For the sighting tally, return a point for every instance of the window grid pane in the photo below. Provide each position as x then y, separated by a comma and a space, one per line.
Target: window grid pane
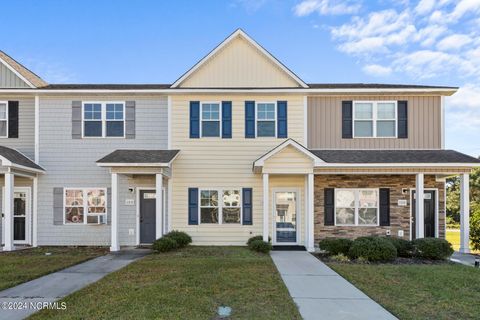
356, 207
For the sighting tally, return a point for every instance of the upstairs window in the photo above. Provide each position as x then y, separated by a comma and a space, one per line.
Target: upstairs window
266, 119
102, 119
210, 119
375, 119
3, 119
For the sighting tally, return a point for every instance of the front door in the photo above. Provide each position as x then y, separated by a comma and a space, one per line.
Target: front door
285, 220
429, 214
20, 207
147, 216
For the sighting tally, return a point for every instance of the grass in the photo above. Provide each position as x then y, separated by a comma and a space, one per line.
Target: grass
20, 266
189, 284
453, 236
439, 291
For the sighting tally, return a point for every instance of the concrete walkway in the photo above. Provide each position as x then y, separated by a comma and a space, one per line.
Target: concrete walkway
57, 285
464, 258
320, 293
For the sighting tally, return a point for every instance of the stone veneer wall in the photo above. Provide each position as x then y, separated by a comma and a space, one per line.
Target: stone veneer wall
399, 215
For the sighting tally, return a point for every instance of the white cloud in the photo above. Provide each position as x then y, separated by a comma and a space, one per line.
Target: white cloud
377, 70
425, 6
463, 7
326, 7
375, 33
453, 42
468, 96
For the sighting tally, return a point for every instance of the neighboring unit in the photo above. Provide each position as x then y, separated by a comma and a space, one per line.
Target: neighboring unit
238, 146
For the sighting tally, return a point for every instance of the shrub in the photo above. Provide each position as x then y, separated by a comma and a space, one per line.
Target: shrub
340, 258
336, 246
404, 247
372, 249
260, 246
475, 226
257, 238
432, 248
180, 237
164, 244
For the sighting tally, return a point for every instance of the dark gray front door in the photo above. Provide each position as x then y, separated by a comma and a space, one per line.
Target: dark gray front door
147, 216
428, 212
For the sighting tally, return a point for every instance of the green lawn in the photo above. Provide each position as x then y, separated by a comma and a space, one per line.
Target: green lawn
453, 236
20, 266
442, 291
189, 284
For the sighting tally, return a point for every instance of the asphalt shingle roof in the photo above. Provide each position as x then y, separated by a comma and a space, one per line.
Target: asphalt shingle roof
139, 156
394, 156
18, 158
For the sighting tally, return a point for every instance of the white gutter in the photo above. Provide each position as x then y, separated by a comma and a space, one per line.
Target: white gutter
445, 91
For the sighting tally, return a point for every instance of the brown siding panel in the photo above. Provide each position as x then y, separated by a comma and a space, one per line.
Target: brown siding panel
325, 119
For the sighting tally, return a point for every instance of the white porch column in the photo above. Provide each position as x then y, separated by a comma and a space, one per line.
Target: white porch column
419, 206
465, 213
35, 213
115, 245
265, 206
310, 214
158, 205
9, 189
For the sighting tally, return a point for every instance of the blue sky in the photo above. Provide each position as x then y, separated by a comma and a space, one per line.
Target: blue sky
389, 41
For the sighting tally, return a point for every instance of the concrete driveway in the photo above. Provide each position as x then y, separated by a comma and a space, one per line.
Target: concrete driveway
320, 293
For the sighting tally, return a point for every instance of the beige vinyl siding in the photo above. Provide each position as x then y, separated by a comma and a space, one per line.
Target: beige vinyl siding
288, 160
239, 64
222, 163
325, 124
9, 79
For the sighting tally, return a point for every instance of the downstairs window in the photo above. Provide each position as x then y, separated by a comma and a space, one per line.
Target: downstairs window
356, 207
85, 206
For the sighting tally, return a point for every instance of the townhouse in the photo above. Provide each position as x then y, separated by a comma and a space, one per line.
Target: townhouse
238, 146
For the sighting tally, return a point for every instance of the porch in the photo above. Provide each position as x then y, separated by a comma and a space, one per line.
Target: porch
142, 179
19, 199
351, 193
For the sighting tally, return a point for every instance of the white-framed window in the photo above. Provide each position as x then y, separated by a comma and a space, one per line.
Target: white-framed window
375, 119
357, 207
3, 119
210, 119
85, 205
220, 206
266, 118
103, 119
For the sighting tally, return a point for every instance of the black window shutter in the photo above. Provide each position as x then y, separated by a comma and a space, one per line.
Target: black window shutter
384, 207
247, 206
402, 114
347, 119
192, 206
329, 205
13, 119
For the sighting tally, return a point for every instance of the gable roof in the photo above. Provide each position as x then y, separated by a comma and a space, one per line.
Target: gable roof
27, 76
228, 40
289, 142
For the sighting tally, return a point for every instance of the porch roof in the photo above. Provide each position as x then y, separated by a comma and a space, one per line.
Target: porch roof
139, 158
15, 159
435, 157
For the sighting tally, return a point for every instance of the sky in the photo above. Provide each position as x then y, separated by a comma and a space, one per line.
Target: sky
433, 42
